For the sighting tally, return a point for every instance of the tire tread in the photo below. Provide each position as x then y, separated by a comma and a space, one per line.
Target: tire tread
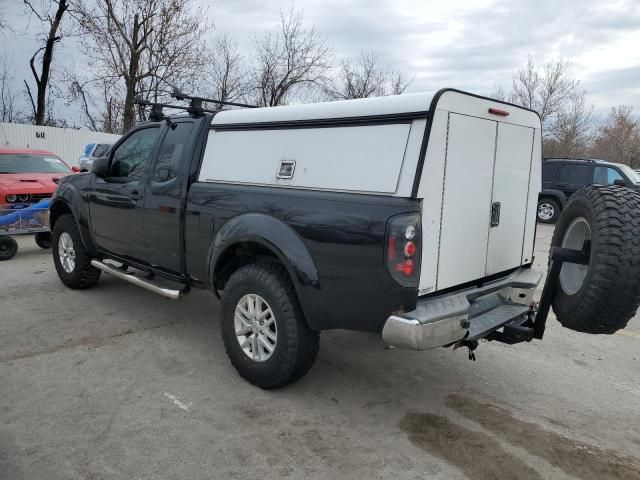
89, 275
612, 295
303, 343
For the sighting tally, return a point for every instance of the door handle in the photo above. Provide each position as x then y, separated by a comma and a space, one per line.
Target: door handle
495, 214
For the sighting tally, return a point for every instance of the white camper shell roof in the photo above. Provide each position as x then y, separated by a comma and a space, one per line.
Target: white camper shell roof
417, 103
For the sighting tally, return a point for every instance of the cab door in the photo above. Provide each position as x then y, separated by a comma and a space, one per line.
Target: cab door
116, 200
164, 195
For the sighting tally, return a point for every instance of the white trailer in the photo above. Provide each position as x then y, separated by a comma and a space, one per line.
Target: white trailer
67, 143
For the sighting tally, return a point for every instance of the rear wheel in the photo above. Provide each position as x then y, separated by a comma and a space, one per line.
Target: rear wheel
603, 296
8, 247
548, 210
71, 259
263, 328
43, 239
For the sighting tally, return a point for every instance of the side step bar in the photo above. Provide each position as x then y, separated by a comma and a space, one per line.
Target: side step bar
131, 278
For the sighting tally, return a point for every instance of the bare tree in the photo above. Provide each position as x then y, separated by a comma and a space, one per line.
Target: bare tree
571, 132
226, 74
8, 96
5, 26
365, 77
50, 13
138, 47
618, 140
289, 60
547, 90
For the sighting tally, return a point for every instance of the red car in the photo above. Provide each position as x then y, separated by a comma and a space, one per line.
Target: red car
28, 176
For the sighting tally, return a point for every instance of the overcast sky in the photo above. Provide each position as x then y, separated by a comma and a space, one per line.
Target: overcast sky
475, 45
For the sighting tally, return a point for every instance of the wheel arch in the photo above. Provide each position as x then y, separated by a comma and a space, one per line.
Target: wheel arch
64, 203
557, 195
254, 236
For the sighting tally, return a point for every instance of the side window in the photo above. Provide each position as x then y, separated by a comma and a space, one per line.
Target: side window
606, 175
100, 150
549, 171
574, 174
131, 157
171, 152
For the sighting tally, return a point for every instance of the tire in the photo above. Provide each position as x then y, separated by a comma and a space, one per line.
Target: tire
296, 345
79, 274
43, 240
548, 210
603, 296
8, 247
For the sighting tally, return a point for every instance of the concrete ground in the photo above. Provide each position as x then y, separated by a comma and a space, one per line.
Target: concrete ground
117, 383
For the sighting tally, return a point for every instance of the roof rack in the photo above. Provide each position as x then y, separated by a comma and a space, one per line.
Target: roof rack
194, 107
183, 96
566, 157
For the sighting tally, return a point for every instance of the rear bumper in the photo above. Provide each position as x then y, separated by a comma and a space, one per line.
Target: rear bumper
466, 314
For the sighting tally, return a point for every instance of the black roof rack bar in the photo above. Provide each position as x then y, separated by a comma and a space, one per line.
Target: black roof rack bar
183, 96
156, 108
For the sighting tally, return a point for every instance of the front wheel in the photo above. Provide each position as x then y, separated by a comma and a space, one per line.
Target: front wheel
71, 259
548, 210
263, 328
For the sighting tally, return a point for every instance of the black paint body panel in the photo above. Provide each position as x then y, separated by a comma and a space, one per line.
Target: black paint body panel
332, 244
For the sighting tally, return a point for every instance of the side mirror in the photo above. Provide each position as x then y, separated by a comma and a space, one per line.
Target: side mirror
620, 182
75, 169
100, 167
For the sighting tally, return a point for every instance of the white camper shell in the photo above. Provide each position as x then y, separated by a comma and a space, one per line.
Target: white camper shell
475, 162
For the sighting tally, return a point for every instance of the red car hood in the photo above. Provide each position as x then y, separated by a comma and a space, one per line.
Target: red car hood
30, 182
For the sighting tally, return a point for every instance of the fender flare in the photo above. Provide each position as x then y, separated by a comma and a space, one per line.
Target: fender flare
558, 195
274, 235
71, 198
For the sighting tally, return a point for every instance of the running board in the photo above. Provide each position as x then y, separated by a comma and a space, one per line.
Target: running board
132, 278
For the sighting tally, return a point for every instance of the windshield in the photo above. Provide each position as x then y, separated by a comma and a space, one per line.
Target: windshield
31, 163
630, 173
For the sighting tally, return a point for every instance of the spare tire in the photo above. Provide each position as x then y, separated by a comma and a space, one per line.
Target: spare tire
603, 296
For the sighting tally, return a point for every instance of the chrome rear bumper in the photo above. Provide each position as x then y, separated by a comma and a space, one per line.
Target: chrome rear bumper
442, 320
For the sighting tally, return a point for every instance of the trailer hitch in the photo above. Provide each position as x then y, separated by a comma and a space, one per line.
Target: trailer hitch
532, 324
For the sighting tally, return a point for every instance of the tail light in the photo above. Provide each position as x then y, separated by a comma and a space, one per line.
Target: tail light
404, 234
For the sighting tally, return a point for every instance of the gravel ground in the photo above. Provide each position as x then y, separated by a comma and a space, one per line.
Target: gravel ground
118, 383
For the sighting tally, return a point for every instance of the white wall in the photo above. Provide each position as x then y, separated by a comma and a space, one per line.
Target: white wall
67, 143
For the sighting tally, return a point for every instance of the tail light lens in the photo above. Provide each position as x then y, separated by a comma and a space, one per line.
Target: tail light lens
404, 234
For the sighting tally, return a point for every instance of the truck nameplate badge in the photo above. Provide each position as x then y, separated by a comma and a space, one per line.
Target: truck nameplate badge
286, 169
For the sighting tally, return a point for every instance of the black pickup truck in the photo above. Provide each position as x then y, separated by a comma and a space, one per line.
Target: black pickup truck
413, 216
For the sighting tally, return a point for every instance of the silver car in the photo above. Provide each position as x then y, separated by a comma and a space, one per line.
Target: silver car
92, 151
